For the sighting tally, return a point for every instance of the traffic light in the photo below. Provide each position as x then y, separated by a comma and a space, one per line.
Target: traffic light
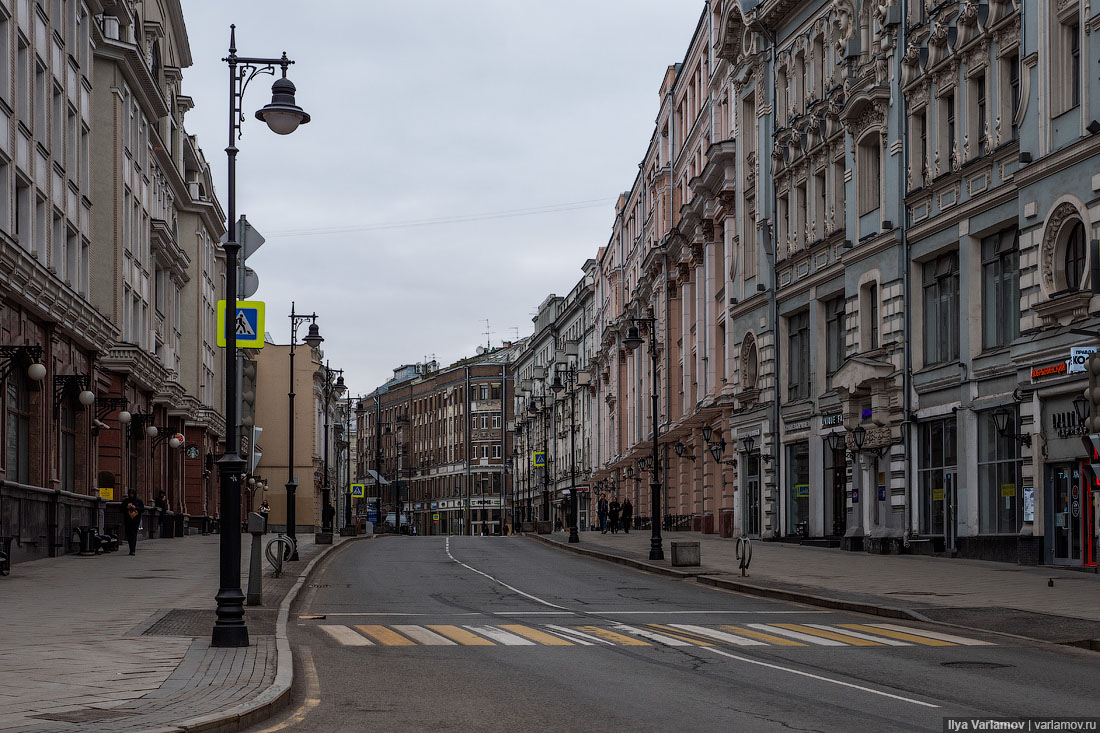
1092, 449
1092, 394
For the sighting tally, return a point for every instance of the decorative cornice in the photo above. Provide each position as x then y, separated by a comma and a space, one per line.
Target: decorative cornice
142, 367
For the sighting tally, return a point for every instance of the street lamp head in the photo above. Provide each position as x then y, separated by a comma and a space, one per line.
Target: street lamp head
340, 387
679, 448
87, 398
1082, 408
833, 441
859, 434
557, 386
1000, 419
282, 115
313, 339
151, 431
633, 339
748, 442
716, 449
36, 371
124, 417
174, 442
707, 430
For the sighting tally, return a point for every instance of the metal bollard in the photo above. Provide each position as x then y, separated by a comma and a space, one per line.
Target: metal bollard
744, 554
255, 562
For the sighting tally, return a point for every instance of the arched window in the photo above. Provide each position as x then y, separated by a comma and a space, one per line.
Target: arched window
869, 169
18, 426
1076, 256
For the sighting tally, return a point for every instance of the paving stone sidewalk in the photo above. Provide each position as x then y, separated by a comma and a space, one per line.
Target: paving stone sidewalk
986, 595
121, 643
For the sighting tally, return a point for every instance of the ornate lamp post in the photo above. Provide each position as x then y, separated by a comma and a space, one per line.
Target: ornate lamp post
573, 379
283, 116
333, 385
632, 341
313, 339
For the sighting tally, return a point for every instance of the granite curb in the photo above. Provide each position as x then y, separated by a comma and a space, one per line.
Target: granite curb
275, 697
708, 577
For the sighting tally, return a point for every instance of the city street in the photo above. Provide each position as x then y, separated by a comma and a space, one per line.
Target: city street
501, 633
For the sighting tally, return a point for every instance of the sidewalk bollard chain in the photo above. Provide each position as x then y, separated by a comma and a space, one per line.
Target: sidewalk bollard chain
744, 554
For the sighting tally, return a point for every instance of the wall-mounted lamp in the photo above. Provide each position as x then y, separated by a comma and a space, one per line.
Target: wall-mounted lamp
1000, 420
11, 355
65, 384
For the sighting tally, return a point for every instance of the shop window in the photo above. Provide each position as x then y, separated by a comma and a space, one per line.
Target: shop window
834, 334
68, 444
937, 472
798, 489
1000, 501
941, 309
1000, 288
17, 426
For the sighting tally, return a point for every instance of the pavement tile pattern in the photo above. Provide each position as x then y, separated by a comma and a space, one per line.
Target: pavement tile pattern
883, 635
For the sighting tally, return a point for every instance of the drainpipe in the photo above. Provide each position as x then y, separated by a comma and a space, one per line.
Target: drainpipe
907, 325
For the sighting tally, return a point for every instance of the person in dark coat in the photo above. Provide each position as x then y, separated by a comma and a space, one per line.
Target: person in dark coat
265, 509
601, 512
628, 515
162, 514
613, 515
327, 515
132, 509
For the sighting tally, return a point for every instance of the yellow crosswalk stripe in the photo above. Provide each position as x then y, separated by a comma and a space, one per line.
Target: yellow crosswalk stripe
610, 635
761, 636
829, 635
535, 635
961, 640
695, 639
462, 636
900, 635
385, 636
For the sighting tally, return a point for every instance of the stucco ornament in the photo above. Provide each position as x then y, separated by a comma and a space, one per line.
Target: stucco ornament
843, 12
1058, 217
750, 363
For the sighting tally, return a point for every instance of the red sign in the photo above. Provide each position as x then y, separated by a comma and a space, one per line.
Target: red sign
582, 488
1048, 371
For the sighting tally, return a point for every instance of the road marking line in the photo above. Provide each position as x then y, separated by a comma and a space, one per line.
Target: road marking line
690, 613
384, 636
720, 635
533, 613
695, 639
822, 679
796, 635
858, 635
609, 635
646, 633
827, 633
345, 636
535, 635
462, 636
935, 635
897, 635
577, 636
447, 546
388, 613
502, 636
776, 640
423, 636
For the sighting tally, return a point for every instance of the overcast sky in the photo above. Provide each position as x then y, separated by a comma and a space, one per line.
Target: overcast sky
462, 162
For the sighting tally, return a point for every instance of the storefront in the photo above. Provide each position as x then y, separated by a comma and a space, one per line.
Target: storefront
1069, 508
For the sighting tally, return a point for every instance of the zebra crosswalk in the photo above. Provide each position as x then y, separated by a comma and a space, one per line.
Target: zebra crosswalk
642, 635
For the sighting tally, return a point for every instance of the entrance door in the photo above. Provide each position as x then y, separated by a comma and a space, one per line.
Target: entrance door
1064, 487
836, 507
750, 518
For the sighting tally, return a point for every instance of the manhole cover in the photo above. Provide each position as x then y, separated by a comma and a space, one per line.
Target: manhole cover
89, 715
319, 585
975, 665
200, 622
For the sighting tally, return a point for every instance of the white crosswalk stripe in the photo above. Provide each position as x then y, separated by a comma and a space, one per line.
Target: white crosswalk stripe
424, 636
859, 635
934, 635
345, 636
578, 636
499, 635
719, 635
804, 638
651, 635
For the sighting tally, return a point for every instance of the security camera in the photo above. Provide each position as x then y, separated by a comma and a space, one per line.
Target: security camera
100, 424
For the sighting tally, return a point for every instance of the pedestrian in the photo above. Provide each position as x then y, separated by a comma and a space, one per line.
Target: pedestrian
601, 512
327, 515
613, 514
628, 514
132, 509
161, 505
264, 509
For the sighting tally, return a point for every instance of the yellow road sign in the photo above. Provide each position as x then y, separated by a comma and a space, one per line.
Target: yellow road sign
358, 491
538, 459
249, 324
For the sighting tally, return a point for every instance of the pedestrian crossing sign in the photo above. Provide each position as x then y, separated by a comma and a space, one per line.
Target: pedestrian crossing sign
249, 324
538, 459
358, 491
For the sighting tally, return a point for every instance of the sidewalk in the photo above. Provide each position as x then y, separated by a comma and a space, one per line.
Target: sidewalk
122, 643
974, 594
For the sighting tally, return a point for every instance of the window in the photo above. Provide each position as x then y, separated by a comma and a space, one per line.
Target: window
941, 309
937, 472
798, 353
18, 426
837, 212
1000, 288
494, 392
820, 228
1013, 68
1065, 74
23, 83
496, 422
484, 391
798, 489
871, 296
980, 114
496, 451
801, 234
869, 170
784, 221
68, 444
1075, 64
1000, 503
947, 150
23, 220
1076, 254
834, 334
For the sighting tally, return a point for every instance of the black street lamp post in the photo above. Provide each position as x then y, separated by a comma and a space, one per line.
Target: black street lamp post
328, 389
573, 378
632, 341
313, 339
282, 116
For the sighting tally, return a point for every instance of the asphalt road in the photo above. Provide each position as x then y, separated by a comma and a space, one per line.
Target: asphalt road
506, 634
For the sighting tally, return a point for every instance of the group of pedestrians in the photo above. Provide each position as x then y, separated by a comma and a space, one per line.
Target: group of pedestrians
611, 514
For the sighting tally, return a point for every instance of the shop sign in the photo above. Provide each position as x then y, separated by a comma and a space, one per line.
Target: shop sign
1066, 424
830, 421
865, 413
801, 491
1050, 370
485, 502
794, 427
1078, 356
1029, 503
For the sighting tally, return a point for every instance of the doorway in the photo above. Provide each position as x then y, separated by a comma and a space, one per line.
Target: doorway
835, 504
1069, 516
750, 518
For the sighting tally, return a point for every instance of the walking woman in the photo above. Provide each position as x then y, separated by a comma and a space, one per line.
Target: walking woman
132, 509
601, 512
613, 515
